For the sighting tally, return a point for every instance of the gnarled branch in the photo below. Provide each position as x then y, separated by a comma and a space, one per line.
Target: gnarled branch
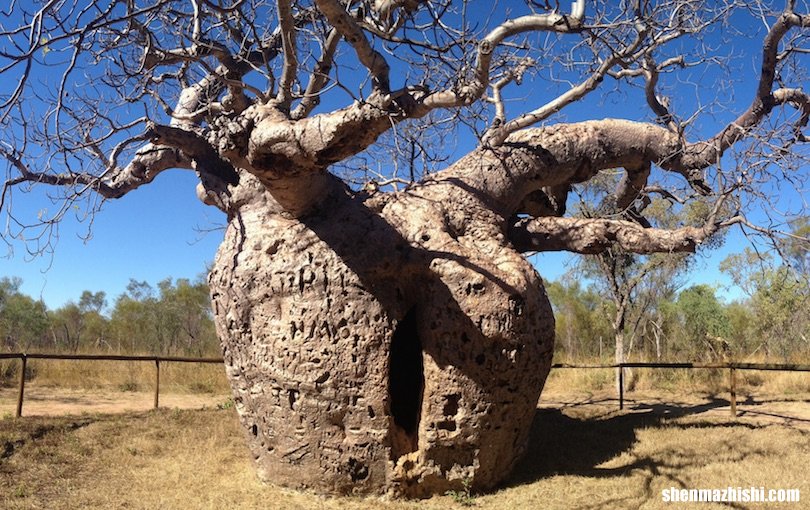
595, 235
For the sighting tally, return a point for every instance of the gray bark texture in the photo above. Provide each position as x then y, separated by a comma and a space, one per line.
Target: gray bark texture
392, 343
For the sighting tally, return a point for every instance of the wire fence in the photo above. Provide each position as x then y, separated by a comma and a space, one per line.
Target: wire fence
732, 367
157, 360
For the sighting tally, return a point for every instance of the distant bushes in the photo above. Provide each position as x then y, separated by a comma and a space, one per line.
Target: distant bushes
772, 323
172, 319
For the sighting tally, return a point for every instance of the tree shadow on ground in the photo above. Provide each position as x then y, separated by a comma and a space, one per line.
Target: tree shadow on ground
574, 440
15, 434
563, 442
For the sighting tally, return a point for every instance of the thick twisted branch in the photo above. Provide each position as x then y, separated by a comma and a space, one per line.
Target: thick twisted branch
595, 235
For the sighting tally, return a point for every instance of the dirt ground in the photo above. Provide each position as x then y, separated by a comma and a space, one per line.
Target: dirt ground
111, 451
756, 409
43, 401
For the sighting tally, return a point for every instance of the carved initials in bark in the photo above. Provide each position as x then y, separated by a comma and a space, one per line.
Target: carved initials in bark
397, 341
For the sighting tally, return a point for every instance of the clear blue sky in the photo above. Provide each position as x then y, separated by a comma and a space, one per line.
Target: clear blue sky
155, 232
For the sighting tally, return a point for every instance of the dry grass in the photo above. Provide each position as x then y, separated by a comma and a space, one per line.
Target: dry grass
210, 378
583, 453
122, 375
680, 380
41, 401
581, 456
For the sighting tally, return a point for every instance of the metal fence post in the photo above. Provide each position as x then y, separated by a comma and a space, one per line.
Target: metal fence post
621, 387
21, 393
732, 385
157, 383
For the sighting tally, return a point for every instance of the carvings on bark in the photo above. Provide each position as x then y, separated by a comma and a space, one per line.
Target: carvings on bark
356, 370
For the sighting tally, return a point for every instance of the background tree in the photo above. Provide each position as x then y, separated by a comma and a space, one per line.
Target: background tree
134, 319
175, 319
187, 307
636, 284
23, 321
778, 298
797, 246
396, 341
704, 320
582, 330
81, 324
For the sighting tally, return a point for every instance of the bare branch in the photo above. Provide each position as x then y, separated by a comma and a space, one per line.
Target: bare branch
651, 72
206, 69
633, 181
204, 157
669, 195
144, 167
290, 69
353, 34
801, 101
318, 79
466, 94
764, 100
497, 135
512, 75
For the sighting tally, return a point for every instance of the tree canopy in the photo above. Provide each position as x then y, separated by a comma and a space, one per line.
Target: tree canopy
103, 96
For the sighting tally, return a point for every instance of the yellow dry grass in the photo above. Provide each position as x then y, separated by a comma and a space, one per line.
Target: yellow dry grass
125, 375
680, 380
210, 378
583, 454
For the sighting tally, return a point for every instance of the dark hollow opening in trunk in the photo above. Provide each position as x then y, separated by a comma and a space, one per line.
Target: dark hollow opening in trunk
406, 375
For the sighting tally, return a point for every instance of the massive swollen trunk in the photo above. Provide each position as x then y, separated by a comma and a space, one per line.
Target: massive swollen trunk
385, 343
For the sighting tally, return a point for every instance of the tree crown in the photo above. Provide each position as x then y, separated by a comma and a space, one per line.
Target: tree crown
102, 96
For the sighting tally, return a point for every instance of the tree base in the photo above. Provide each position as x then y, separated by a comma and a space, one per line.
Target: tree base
372, 351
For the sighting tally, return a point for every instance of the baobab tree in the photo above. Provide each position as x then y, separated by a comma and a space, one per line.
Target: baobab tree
398, 339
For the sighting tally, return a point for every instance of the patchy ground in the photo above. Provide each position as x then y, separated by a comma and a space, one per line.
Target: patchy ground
584, 453
753, 408
49, 401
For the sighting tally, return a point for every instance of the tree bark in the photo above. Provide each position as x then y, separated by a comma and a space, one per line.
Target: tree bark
391, 343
